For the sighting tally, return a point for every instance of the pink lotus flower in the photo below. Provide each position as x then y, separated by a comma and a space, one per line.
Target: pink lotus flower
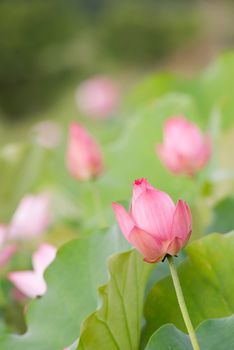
31, 218
97, 97
84, 157
32, 283
154, 226
185, 150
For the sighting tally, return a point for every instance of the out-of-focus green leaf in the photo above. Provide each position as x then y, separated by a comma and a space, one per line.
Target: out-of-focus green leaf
212, 88
223, 218
217, 334
216, 86
154, 87
169, 337
206, 283
212, 335
117, 325
78, 270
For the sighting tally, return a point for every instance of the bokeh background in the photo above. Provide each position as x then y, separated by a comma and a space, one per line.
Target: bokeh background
48, 47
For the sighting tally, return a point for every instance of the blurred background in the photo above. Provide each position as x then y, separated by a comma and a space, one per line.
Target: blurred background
48, 47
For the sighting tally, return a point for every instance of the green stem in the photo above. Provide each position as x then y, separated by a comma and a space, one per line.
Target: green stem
182, 304
98, 203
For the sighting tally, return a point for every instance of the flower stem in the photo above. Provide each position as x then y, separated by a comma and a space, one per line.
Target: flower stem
182, 304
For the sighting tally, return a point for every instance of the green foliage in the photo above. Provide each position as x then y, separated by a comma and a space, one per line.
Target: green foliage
204, 276
211, 89
217, 334
117, 324
169, 337
212, 334
223, 218
78, 270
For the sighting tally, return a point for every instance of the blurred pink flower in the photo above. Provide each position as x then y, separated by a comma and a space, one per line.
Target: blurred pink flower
48, 134
154, 226
31, 218
97, 97
84, 157
6, 250
185, 150
17, 295
6, 254
3, 233
32, 283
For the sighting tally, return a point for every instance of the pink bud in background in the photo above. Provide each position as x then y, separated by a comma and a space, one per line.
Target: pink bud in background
184, 150
154, 226
97, 97
84, 157
32, 283
31, 218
